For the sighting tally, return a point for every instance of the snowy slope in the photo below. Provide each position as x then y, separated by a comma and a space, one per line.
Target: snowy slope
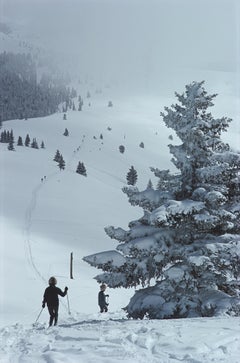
43, 221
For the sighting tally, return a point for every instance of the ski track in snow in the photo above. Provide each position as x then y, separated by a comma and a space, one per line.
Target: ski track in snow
116, 340
27, 231
30, 210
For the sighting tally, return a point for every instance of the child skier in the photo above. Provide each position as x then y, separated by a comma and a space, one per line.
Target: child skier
102, 299
51, 298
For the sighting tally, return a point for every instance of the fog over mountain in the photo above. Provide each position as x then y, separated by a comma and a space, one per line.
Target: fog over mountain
142, 43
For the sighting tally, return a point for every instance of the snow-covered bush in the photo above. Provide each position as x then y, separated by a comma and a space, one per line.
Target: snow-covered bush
185, 250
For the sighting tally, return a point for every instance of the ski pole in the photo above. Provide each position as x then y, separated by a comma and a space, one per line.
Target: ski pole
69, 312
38, 316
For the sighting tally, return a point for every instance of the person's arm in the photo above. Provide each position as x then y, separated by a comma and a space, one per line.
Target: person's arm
44, 299
62, 293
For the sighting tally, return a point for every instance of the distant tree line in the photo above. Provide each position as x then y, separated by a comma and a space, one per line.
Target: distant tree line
22, 95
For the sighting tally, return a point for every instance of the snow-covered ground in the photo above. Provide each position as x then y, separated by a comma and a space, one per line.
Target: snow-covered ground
112, 338
43, 221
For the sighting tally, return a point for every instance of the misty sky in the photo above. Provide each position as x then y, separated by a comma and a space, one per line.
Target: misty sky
140, 37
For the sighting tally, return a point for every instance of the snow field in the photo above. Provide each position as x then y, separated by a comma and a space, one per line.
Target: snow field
111, 338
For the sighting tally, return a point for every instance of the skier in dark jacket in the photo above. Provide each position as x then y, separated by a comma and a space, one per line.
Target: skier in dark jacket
51, 298
102, 299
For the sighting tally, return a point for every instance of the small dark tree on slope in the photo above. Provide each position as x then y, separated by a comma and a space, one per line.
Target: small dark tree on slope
121, 149
132, 176
57, 156
27, 141
20, 141
11, 145
34, 144
81, 169
80, 104
66, 133
61, 163
188, 239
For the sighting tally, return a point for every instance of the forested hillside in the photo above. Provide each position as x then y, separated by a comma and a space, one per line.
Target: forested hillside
22, 95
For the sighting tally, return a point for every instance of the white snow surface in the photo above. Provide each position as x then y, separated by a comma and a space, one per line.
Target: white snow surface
112, 338
42, 222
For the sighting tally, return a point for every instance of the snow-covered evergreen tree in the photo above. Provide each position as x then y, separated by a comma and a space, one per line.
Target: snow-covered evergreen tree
132, 176
185, 250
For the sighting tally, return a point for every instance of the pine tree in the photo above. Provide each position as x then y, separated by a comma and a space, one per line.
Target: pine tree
42, 145
141, 145
61, 163
27, 141
3, 136
132, 176
20, 141
64, 116
34, 144
188, 240
121, 149
11, 137
11, 146
66, 133
150, 184
81, 169
57, 156
80, 104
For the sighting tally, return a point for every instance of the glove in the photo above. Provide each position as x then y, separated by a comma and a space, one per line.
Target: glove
107, 295
66, 288
43, 305
107, 304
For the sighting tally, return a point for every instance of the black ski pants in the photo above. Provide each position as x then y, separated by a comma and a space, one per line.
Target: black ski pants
53, 312
103, 309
